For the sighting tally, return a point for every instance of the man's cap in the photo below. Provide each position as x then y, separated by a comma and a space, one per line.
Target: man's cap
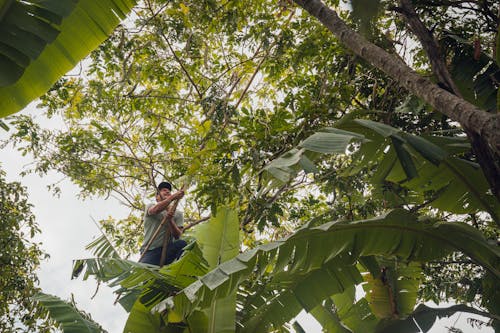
164, 185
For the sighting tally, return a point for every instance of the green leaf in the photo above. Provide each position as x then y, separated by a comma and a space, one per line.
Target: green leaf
281, 167
141, 320
473, 76
333, 141
460, 185
393, 293
414, 162
329, 320
427, 149
316, 248
357, 316
101, 247
306, 290
405, 159
219, 241
329, 140
83, 25
4, 125
219, 237
380, 128
148, 282
70, 319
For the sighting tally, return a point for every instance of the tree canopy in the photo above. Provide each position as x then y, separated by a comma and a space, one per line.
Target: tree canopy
283, 117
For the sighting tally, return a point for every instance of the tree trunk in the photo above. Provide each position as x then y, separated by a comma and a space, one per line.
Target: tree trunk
479, 146
472, 118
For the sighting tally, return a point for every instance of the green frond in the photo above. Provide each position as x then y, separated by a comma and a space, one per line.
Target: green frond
43, 40
67, 316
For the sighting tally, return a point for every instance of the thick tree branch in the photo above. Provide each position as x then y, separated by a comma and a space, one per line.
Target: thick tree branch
430, 46
469, 116
194, 223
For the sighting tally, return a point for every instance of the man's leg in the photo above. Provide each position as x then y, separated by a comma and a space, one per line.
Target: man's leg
152, 257
174, 250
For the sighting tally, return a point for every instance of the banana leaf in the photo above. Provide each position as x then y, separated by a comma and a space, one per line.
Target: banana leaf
43, 40
421, 164
67, 316
309, 251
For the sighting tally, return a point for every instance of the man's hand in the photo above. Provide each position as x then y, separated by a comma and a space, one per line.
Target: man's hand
177, 195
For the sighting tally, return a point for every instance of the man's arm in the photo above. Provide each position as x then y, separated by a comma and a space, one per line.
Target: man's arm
174, 228
161, 205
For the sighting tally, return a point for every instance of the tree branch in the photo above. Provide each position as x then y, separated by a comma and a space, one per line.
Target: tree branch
200, 96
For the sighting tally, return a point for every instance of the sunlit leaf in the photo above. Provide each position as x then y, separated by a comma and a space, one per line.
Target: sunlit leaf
42, 41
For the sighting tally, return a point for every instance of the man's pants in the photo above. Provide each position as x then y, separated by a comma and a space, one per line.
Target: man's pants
174, 251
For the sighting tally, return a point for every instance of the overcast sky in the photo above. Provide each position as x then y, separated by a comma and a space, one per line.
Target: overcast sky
67, 227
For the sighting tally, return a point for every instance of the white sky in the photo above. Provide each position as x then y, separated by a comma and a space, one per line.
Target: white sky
67, 227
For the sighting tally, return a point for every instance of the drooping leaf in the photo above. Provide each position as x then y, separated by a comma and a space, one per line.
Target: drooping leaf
328, 141
141, 320
70, 319
148, 282
299, 290
357, 316
472, 75
405, 159
328, 319
4, 125
101, 247
42, 41
393, 293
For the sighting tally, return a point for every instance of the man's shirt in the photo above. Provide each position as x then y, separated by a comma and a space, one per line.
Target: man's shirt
151, 223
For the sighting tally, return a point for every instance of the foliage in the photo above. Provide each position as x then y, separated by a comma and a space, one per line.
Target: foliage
255, 101
39, 43
66, 315
20, 258
300, 272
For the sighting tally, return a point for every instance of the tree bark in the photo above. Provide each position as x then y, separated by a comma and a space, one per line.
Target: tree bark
482, 123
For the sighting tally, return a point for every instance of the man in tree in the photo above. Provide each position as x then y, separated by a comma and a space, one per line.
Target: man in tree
153, 216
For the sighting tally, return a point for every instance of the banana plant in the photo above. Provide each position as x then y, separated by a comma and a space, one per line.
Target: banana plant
316, 262
43, 40
316, 269
423, 165
341, 313
143, 286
